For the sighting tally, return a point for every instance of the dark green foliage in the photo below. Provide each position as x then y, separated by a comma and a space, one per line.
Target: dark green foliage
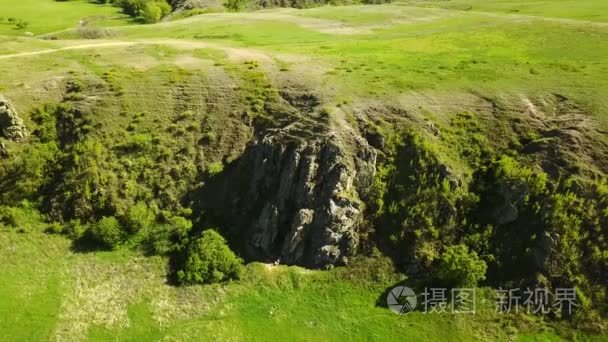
459, 267
150, 10
24, 216
210, 260
154, 11
465, 134
416, 201
511, 223
507, 225
139, 217
83, 190
168, 236
107, 231
235, 5
24, 175
133, 8
74, 229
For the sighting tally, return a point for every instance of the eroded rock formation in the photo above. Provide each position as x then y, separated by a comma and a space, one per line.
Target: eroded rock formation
299, 201
11, 125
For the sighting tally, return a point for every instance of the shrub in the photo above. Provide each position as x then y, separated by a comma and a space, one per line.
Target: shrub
215, 168
460, 267
235, 5
74, 229
165, 8
168, 237
24, 217
139, 217
151, 13
151, 10
107, 231
22, 24
210, 260
133, 8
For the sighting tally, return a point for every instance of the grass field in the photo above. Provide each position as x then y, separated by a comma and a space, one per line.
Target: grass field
47, 16
586, 9
51, 293
433, 58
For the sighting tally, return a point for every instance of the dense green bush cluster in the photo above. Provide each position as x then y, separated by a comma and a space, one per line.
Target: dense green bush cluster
107, 231
510, 224
210, 260
459, 267
417, 202
150, 11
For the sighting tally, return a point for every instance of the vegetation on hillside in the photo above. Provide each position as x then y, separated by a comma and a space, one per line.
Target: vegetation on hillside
486, 121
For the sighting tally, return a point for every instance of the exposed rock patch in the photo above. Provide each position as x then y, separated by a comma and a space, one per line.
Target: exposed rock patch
11, 125
300, 201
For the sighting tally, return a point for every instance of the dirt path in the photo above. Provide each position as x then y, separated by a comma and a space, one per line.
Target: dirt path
236, 53
67, 48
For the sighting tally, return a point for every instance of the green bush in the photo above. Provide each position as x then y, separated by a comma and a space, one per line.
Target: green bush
133, 8
210, 260
215, 168
459, 267
74, 229
235, 5
139, 217
150, 10
151, 13
24, 217
107, 231
170, 236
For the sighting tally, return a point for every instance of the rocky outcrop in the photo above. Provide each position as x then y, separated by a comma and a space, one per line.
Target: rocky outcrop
11, 125
301, 199
186, 5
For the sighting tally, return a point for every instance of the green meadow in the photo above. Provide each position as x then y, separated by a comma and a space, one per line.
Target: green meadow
432, 58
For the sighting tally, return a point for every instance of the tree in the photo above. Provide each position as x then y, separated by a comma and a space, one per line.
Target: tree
210, 260
460, 267
152, 13
139, 217
133, 8
107, 231
235, 5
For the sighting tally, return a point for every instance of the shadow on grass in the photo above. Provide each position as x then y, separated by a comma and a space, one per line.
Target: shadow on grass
86, 244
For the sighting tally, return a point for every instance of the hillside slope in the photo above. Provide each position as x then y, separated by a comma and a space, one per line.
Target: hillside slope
321, 136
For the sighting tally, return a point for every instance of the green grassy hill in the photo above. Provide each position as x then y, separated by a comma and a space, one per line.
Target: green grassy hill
487, 121
44, 16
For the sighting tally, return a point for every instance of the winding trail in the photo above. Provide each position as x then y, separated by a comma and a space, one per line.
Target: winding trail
67, 48
237, 53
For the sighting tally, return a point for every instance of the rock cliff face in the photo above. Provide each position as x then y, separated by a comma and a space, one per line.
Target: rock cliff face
300, 200
11, 125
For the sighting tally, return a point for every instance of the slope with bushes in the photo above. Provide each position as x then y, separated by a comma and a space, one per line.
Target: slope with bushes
467, 147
